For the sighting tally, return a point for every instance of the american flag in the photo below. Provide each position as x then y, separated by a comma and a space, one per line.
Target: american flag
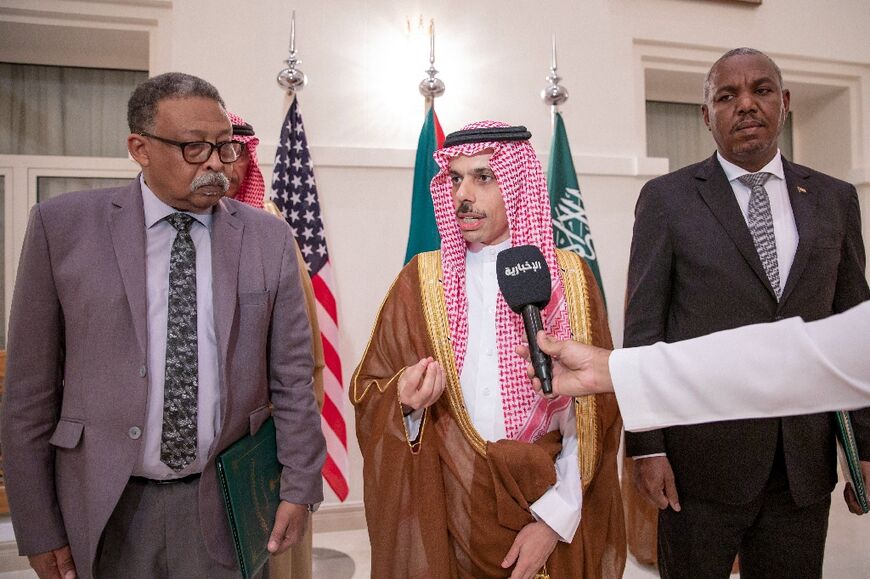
295, 194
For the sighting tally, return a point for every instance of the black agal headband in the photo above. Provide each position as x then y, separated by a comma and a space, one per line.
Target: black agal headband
487, 134
245, 130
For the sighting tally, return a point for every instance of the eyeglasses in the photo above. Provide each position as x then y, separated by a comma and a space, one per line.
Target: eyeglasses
195, 152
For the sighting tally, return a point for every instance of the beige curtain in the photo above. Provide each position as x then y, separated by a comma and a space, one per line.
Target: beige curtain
53, 110
677, 132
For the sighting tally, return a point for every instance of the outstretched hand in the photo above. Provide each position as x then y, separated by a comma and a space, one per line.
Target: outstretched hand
578, 369
421, 385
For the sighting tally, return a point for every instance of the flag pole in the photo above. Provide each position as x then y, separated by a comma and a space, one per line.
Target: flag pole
294, 194
291, 78
431, 86
423, 231
554, 93
570, 223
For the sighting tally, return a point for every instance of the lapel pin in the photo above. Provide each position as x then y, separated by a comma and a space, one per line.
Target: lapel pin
801, 189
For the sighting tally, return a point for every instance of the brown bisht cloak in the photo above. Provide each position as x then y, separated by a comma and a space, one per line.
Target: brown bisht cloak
450, 504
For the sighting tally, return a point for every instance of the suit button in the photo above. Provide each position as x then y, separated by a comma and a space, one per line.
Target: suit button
135, 432
142, 371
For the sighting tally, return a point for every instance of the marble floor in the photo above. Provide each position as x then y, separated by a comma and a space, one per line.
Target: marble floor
346, 555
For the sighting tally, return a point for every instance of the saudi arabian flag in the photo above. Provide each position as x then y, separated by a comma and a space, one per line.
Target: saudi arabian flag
423, 234
570, 224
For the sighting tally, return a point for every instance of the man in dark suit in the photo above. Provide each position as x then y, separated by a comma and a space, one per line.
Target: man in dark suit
152, 326
741, 238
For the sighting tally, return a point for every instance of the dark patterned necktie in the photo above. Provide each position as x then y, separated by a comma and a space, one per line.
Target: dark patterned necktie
760, 222
178, 442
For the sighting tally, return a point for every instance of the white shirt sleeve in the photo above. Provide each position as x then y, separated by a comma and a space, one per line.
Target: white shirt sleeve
413, 422
779, 369
561, 505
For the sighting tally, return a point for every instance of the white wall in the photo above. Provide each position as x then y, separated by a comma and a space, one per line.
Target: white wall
363, 114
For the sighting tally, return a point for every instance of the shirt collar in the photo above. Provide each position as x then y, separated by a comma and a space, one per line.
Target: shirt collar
734, 172
480, 253
156, 210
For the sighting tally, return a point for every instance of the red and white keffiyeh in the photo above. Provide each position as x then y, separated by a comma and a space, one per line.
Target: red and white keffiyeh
252, 188
518, 172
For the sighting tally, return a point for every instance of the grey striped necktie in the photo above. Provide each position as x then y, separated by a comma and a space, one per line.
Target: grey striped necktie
760, 220
180, 390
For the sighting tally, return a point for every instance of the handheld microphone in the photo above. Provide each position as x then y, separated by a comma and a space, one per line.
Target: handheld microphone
524, 281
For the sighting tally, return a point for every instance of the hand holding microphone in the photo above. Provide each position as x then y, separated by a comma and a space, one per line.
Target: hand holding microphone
524, 281
578, 369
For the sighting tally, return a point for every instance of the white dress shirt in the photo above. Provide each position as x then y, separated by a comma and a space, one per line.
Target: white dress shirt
159, 236
560, 506
784, 228
481, 386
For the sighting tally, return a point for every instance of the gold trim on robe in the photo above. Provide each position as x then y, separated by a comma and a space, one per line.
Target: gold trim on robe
585, 407
576, 292
435, 312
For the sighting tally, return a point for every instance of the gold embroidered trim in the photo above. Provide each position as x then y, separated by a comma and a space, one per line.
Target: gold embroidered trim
435, 312
585, 407
357, 397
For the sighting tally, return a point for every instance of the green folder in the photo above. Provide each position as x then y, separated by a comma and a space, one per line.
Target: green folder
849, 461
250, 479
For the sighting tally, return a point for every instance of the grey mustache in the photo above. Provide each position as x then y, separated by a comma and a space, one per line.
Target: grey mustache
209, 180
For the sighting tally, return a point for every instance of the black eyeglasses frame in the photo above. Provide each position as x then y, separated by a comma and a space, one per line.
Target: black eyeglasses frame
221, 146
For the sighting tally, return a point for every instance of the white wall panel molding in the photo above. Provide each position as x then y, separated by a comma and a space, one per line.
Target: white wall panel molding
102, 13
830, 98
126, 34
359, 157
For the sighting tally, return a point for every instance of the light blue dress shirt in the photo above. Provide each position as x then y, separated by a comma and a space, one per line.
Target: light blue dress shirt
159, 236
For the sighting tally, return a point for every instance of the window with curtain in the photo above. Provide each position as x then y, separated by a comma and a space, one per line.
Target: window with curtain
61, 112
48, 187
55, 110
677, 132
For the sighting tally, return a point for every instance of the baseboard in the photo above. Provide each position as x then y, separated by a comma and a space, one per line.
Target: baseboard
348, 516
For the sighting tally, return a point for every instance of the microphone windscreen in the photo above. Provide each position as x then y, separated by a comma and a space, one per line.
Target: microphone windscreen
523, 277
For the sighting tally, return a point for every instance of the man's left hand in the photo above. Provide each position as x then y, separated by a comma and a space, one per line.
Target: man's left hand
291, 520
849, 492
530, 550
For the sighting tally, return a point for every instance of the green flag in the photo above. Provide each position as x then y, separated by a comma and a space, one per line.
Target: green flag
423, 234
570, 224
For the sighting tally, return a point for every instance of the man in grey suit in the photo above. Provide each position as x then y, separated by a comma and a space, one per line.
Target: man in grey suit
152, 326
741, 238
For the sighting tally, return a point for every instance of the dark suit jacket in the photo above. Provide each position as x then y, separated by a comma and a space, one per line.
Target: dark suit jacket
694, 270
76, 380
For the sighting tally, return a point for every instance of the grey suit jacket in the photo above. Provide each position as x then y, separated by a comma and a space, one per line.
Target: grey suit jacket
694, 270
76, 384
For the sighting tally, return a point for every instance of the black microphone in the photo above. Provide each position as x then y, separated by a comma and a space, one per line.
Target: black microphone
524, 281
